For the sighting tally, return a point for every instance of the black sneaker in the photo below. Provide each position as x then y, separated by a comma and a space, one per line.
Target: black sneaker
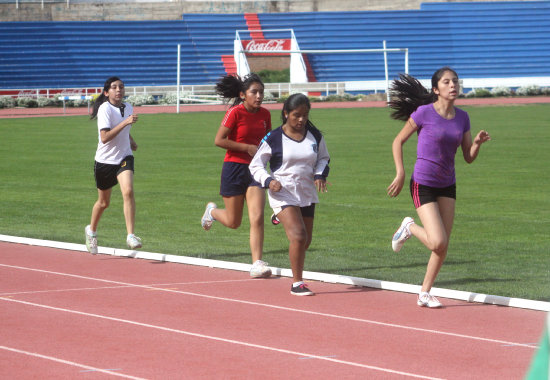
275, 220
301, 290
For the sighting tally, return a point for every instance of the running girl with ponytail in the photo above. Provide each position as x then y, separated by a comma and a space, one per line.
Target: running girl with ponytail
441, 129
298, 162
114, 162
240, 133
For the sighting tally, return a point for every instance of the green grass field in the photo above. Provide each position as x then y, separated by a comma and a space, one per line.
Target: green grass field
500, 243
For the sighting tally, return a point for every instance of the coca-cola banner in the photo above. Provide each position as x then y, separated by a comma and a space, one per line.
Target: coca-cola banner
260, 46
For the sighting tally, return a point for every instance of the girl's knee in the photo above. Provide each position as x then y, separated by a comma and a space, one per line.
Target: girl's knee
257, 221
128, 193
299, 237
439, 246
102, 203
233, 223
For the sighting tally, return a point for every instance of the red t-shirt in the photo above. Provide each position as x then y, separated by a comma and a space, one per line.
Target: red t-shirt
247, 128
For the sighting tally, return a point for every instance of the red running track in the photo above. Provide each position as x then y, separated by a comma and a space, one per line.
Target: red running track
69, 314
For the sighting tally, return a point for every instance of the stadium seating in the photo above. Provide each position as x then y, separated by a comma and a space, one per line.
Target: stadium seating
487, 39
478, 39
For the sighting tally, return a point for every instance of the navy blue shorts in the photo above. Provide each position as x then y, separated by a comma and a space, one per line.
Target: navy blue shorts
106, 174
307, 211
422, 194
236, 179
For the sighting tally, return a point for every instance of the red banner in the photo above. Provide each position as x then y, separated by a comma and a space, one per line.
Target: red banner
256, 47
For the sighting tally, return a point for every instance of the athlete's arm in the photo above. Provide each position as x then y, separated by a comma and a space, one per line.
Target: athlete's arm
107, 135
397, 150
471, 149
224, 142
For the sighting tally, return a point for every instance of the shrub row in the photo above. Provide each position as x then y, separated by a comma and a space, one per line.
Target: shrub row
171, 98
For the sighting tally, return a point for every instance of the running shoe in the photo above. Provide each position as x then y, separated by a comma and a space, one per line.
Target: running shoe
301, 290
260, 270
207, 219
402, 234
427, 300
91, 240
275, 220
133, 241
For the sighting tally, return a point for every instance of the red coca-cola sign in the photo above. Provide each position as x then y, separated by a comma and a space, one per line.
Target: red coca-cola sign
257, 47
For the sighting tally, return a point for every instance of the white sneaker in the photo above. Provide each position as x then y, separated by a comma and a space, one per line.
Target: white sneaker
260, 269
133, 241
207, 219
402, 234
427, 300
91, 240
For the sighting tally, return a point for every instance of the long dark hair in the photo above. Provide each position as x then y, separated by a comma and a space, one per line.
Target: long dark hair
103, 98
408, 94
230, 86
294, 101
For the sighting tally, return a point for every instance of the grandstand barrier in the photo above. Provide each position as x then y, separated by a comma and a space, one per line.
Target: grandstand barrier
207, 93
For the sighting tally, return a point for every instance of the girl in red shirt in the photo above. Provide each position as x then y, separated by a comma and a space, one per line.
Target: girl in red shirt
240, 133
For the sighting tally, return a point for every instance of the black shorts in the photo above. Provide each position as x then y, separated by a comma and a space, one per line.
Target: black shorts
422, 194
106, 174
307, 211
236, 179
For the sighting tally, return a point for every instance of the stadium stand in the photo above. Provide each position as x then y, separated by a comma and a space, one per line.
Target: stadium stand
478, 39
496, 39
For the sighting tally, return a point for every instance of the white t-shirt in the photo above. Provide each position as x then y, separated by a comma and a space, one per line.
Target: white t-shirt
295, 164
114, 151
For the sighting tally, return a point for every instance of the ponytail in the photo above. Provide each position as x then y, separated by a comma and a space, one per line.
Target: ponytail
102, 98
407, 95
230, 86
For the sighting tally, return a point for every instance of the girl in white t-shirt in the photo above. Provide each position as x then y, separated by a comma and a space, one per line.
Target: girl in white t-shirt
114, 162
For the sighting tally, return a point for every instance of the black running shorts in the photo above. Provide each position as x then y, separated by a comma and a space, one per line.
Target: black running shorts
106, 174
422, 194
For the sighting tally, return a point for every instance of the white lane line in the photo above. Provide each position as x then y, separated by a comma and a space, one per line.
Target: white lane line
86, 367
215, 338
393, 325
8, 294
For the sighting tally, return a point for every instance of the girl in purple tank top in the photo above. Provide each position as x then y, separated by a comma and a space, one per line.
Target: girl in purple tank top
441, 129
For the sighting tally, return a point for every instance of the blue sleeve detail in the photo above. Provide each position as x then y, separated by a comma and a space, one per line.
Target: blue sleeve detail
267, 182
316, 133
275, 141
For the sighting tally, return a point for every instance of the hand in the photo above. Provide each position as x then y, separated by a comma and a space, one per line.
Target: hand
275, 186
396, 186
252, 149
482, 136
133, 145
321, 185
131, 119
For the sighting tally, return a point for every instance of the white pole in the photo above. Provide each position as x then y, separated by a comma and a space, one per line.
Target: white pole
386, 71
407, 61
178, 82
239, 62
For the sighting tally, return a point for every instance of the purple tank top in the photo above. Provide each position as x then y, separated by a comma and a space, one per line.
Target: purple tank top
438, 141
